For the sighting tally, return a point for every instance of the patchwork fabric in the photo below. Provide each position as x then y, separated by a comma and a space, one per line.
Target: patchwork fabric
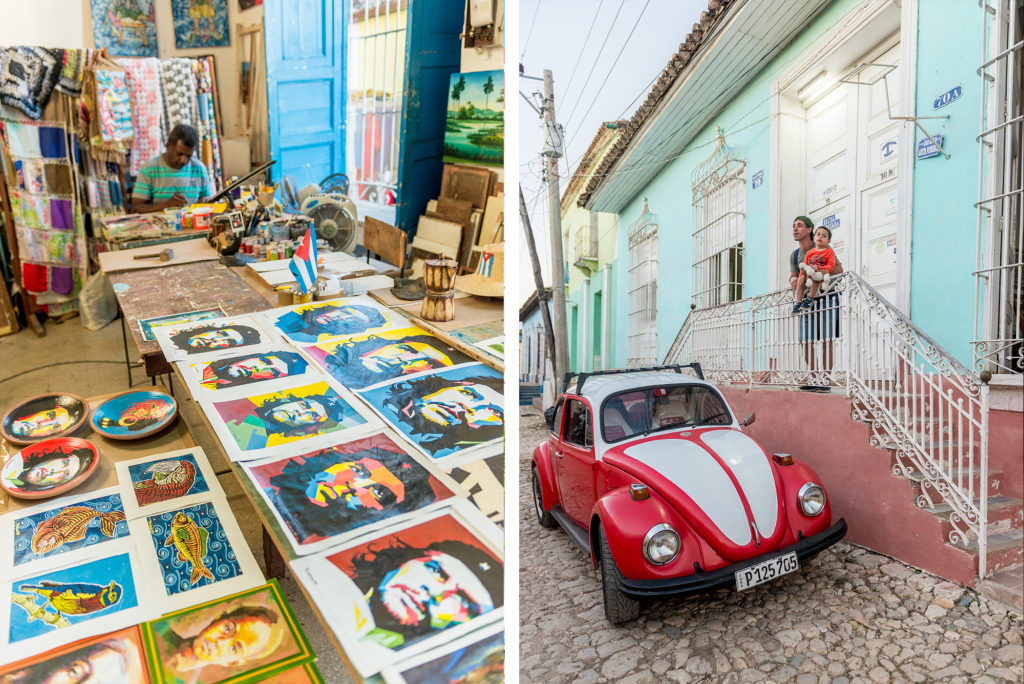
35, 277
58, 179
72, 71
27, 78
62, 214
143, 78
52, 142
30, 176
23, 140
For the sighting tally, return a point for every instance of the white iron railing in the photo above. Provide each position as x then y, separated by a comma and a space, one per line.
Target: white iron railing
919, 401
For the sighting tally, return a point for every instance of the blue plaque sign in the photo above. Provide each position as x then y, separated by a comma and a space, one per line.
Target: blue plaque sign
951, 95
757, 179
926, 148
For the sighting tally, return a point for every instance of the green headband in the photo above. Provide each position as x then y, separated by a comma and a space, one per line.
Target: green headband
807, 221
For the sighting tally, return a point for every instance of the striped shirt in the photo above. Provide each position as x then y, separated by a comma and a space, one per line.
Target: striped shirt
157, 181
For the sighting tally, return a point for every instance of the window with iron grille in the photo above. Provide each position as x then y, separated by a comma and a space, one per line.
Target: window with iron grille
719, 225
642, 319
376, 72
999, 318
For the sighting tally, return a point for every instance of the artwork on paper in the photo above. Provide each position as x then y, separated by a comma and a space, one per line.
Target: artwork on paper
60, 599
116, 657
475, 127
445, 411
494, 346
358, 362
163, 481
401, 592
126, 28
319, 321
192, 548
247, 369
268, 420
54, 529
147, 325
479, 660
484, 480
182, 341
200, 23
250, 633
351, 487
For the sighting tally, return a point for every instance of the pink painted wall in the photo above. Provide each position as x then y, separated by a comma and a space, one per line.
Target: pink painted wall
878, 505
1006, 450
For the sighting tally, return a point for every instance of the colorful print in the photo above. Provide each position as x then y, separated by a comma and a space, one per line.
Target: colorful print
134, 413
214, 337
317, 322
253, 633
359, 362
114, 657
147, 325
248, 369
115, 109
346, 487
481, 662
267, 420
446, 411
68, 528
192, 548
60, 599
475, 128
125, 27
200, 23
172, 478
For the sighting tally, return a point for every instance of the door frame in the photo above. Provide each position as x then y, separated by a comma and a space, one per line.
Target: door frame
787, 117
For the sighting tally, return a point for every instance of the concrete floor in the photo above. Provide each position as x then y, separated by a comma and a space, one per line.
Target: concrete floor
72, 359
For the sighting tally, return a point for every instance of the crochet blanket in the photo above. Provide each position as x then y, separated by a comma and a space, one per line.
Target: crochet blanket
72, 72
27, 78
143, 77
179, 92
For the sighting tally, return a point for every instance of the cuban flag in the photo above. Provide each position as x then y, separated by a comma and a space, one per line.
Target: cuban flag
303, 263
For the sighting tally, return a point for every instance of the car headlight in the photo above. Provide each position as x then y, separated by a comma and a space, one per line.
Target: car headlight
661, 544
812, 499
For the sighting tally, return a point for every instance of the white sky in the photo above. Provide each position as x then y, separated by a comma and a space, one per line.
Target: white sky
614, 72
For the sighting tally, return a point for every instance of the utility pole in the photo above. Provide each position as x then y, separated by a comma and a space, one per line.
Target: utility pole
552, 151
538, 279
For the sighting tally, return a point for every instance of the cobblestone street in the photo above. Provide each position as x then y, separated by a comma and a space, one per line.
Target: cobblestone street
848, 616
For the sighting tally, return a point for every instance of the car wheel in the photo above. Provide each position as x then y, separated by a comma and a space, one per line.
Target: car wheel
618, 607
544, 519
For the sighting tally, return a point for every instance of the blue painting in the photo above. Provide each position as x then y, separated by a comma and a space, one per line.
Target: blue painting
134, 414
68, 528
200, 23
447, 411
57, 600
125, 27
192, 548
171, 478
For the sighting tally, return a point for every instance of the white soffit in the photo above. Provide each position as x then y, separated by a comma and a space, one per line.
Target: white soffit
739, 48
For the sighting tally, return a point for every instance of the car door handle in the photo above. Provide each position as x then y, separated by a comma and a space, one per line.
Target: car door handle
559, 454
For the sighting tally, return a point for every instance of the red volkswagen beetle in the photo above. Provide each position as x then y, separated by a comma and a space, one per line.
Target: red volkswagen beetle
651, 475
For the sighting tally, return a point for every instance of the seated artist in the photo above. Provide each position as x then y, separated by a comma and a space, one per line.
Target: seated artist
820, 322
173, 179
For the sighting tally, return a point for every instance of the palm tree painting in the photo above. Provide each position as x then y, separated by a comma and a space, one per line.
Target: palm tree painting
475, 129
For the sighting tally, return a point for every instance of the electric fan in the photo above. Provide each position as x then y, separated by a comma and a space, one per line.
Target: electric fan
334, 219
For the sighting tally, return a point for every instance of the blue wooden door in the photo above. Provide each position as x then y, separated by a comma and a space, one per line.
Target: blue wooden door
305, 48
434, 50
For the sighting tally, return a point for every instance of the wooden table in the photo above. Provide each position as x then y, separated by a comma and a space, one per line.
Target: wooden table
178, 289
111, 451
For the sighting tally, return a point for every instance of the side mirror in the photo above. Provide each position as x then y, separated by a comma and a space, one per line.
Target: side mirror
549, 418
749, 420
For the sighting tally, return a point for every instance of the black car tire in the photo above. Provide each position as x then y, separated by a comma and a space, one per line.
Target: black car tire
544, 519
618, 607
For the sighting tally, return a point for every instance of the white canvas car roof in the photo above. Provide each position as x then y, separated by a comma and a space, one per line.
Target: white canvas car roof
597, 388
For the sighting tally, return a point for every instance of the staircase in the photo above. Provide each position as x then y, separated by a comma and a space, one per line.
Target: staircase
928, 411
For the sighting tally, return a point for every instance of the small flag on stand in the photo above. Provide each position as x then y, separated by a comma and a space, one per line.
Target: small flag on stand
303, 263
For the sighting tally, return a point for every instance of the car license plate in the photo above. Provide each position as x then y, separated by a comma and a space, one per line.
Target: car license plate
765, 571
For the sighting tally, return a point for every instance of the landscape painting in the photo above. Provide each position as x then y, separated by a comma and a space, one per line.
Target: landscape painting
127, 28
475, 127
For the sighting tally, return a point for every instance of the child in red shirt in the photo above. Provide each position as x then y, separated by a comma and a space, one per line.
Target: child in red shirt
817, 266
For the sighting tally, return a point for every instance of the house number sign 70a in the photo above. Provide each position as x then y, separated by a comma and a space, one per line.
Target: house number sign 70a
950, 95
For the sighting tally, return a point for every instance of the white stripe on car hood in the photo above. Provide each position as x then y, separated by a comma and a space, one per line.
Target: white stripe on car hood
701, 478
752, 470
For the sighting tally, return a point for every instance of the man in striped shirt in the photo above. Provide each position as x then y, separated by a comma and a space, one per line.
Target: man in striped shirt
173, 179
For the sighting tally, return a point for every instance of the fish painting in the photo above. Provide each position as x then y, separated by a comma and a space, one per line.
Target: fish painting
190, 541
168, 480
78, 598
70, 525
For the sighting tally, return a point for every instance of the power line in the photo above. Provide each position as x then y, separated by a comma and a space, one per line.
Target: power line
530, 32
568, 84
592, 66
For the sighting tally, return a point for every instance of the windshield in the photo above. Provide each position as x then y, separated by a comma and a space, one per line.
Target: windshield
661, 408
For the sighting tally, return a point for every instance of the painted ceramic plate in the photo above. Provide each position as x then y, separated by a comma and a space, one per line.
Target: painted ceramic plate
49, 468
44, 417
134, 414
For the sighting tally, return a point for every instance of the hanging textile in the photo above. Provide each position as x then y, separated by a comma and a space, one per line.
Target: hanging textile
147, 109
40, 160
105, 114
27, 78
209, 142
72, 72
179, 92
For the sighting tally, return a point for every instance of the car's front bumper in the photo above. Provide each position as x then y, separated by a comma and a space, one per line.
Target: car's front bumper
805, 549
